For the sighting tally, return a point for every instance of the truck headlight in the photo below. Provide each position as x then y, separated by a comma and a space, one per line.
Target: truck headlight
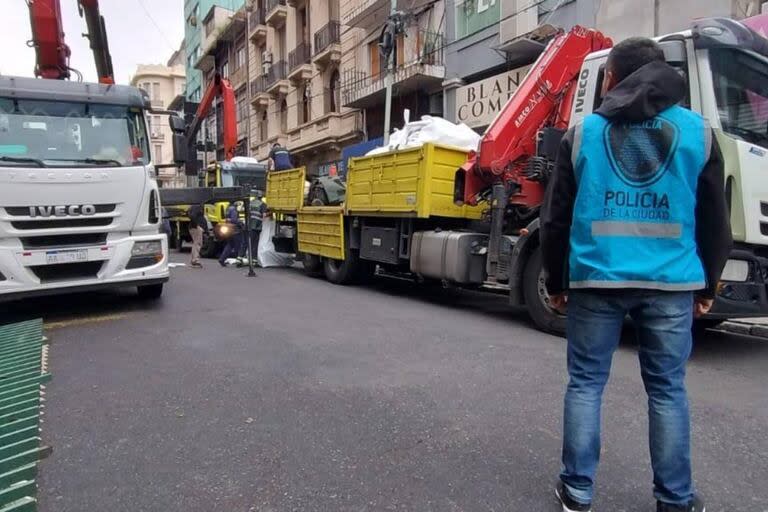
152, 248
145, 254
736, 270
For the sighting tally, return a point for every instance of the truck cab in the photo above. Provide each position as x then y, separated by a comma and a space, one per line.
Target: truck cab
726, 67
79, 203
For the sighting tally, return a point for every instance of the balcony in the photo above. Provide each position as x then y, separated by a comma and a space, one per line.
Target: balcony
277, 83
259, 96
328, 45
332, 129
221, 25
277, 12
370, 14
422, 70
299, 64
258, 26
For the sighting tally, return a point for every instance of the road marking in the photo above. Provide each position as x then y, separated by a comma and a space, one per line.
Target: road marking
73, 322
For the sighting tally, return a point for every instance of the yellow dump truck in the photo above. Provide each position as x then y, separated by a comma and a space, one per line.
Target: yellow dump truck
399, 215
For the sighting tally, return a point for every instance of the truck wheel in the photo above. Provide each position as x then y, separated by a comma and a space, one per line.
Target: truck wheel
537, 298
344, 271
210, 248
312, 264
150, 291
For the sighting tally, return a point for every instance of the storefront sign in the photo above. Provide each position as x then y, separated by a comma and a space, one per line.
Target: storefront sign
478, 103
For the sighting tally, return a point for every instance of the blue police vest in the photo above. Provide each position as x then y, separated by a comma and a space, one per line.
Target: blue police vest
634, 223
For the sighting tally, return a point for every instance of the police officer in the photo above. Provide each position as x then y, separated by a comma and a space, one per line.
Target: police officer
232, 249
634, 223
280, 158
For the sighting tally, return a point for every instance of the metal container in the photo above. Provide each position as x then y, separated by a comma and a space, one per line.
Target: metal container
454, 256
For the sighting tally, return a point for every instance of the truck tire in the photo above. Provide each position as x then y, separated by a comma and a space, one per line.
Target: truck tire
342, 271
537, 299
150, 291
210, 247
313, 264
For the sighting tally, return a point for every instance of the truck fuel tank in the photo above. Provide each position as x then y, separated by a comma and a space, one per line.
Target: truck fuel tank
454, 256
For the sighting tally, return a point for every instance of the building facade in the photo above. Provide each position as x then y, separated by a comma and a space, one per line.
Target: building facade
194, 40
225, 53
295, 82
493, 42
163, 84
419, 61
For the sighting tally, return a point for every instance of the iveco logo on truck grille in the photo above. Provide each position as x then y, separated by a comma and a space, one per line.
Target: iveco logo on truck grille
74, 210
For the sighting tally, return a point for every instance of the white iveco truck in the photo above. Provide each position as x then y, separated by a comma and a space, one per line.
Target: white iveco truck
79, 203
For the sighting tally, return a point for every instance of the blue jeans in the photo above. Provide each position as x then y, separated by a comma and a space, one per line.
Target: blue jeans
232, 249
663, 321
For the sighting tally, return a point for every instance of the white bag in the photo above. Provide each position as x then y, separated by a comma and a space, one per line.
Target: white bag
266, 254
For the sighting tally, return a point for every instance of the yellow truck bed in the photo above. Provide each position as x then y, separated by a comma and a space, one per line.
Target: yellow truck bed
415, 182
321, 231
285, 190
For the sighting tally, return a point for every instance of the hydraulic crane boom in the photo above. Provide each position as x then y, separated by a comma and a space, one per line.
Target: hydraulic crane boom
219, 87
48, 39
97, 36
543, 100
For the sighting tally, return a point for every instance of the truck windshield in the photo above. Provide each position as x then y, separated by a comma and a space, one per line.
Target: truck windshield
66, 134
741, 89
243, 178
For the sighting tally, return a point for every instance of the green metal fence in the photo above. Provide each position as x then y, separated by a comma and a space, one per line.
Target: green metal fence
23, 370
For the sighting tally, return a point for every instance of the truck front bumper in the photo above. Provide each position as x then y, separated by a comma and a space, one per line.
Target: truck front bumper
26, 272
747, 295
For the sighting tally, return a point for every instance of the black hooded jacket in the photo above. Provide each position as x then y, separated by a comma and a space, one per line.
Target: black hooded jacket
641, 96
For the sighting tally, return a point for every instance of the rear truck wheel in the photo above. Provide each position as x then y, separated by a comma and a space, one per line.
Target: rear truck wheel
537, 298
342, 271
150, 291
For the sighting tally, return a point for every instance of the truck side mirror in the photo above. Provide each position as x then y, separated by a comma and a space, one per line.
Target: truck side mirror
177, 124
179, 148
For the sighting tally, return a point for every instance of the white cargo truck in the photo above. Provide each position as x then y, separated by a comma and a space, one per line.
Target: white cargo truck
79, 202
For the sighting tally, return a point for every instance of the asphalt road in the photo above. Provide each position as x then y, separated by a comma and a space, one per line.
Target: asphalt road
286, 393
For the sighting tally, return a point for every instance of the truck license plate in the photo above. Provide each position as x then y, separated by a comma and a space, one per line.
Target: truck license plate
71, 256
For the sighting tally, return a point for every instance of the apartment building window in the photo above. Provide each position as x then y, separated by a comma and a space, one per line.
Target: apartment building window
240, 57
283, 116
225, 70
305, 106
242, 106
158, 153
475, 15
335, 91
263, 127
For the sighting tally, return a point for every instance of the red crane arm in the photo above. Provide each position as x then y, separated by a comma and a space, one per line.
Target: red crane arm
544, 99
219, 87
97, 36
48, 39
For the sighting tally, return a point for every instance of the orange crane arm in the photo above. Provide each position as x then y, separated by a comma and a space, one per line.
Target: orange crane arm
219, 87
544, 99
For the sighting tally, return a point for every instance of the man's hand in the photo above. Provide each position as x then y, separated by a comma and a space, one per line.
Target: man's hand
559, 302
701, 306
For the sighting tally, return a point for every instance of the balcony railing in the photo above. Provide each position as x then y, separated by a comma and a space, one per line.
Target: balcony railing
328, 35
257, 17
273, 4
258, 85
301, 55
278, 71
